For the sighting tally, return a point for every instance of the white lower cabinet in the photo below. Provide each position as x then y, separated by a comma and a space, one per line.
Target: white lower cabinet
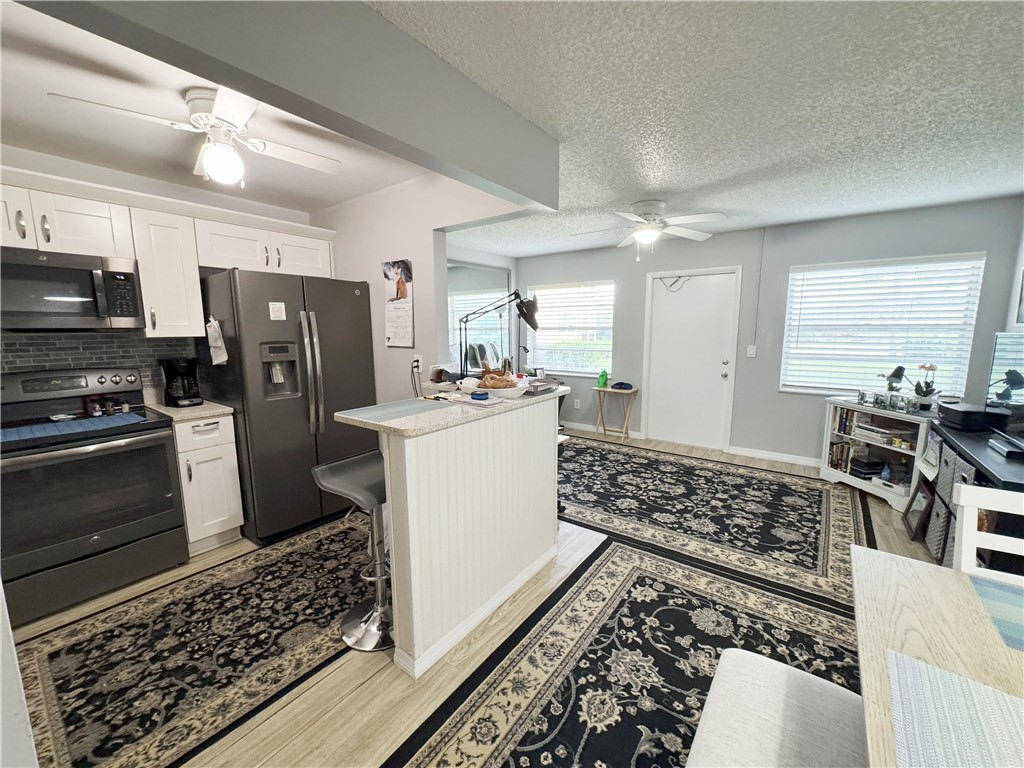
209, 482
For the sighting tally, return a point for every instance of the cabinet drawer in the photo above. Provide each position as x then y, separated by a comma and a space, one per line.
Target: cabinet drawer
963, 473
190, 435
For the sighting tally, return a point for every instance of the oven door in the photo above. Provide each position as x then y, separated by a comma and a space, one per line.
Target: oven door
61, 505
51, 291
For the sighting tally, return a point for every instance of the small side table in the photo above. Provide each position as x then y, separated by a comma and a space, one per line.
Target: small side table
627, 408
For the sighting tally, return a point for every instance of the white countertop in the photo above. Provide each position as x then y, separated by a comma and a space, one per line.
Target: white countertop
411, 418
208, 410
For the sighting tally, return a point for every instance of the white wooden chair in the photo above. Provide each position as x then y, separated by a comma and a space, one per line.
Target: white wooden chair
969, 539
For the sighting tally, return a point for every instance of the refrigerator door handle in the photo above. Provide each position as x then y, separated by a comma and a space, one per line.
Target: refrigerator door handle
318, 357
304, 323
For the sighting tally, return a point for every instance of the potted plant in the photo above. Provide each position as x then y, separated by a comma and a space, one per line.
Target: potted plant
926, 389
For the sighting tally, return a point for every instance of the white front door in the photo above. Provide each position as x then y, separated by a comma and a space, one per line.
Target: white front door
689, 356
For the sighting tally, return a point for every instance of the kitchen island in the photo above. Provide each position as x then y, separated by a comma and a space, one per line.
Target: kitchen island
472, 511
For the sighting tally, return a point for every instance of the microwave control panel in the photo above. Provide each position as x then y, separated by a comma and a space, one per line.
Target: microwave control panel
122, 294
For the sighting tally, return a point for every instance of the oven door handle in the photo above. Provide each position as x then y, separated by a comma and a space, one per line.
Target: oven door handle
70, 454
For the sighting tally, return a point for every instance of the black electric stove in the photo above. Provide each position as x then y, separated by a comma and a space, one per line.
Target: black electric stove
90, 498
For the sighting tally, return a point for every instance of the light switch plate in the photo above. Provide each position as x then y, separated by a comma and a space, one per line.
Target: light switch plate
751, 350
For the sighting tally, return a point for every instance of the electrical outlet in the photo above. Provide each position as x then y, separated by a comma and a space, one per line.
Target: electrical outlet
752, 350
576, 404
417, 361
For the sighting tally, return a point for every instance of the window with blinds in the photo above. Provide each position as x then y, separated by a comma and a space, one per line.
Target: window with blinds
575, 327
489, 329
847, 323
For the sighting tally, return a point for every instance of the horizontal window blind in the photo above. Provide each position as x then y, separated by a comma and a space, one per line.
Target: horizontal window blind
845, 324
575, 327
487, 329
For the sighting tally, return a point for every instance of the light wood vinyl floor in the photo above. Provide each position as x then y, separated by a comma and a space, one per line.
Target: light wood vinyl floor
358, 710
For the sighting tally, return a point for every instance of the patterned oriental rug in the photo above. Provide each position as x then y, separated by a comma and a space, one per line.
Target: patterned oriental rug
146, 682
613, 670
793, 530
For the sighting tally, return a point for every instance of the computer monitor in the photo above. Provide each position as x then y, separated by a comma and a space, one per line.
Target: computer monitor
1006, 380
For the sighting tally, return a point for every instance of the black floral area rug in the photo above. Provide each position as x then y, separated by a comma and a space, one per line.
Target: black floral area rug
793, 530
613, 670
144, 683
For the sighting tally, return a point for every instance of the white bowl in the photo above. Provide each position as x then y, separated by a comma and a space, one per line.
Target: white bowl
508, 393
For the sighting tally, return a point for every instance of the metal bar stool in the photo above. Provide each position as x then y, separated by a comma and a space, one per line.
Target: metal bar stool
367, 626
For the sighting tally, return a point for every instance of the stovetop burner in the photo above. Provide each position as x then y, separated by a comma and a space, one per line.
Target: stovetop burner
45, 409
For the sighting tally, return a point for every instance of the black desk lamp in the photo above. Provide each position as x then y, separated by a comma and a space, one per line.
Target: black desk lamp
1014, 381
896, 377
527, 309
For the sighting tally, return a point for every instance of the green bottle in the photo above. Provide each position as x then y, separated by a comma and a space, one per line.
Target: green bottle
602, 379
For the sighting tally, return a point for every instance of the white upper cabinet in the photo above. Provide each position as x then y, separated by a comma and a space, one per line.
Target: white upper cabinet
297, 255
76, 225
18, 222
230, 245
165, 246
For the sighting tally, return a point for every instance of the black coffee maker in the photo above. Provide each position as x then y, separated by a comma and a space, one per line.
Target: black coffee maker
181, 381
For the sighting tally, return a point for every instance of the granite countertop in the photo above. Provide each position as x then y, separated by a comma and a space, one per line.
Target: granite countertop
208, 410
411, 418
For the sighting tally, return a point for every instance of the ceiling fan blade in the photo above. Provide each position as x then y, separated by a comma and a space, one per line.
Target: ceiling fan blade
199, 170
130, 113
627, 241
631, 216
292, 155
692, 234
694, 218
596, 231
233, 107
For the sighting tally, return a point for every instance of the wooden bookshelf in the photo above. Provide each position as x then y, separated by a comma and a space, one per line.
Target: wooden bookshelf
863, 433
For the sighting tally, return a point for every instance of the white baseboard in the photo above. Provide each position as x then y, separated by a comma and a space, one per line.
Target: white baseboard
415, 667
789, 458
590, 428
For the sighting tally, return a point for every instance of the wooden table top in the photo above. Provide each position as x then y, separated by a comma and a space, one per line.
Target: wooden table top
932, 614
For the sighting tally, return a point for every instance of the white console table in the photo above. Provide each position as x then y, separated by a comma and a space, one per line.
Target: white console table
472, 509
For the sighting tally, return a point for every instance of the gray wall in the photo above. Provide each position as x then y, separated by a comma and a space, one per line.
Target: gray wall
765, 419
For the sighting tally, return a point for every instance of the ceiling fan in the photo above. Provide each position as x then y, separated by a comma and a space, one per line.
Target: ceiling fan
649, 222
222, 115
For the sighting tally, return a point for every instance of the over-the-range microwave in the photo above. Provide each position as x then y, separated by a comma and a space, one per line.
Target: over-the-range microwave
61, 291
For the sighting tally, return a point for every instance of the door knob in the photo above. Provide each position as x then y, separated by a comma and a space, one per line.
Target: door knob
725, 374
725, 361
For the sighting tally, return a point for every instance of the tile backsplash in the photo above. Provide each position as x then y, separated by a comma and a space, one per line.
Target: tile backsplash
92, 349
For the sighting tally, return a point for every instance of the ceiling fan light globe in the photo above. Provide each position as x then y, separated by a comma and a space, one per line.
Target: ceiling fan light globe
222, 163
646, 236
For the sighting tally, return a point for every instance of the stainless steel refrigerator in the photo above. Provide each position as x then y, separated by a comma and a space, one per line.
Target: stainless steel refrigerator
299, 349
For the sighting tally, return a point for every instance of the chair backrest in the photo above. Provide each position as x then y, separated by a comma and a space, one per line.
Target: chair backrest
975, 498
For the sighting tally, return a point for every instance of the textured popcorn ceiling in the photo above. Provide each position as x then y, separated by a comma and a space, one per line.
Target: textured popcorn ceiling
770, 112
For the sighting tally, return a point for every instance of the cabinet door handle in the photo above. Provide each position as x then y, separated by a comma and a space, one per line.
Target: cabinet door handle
44, 225
20, 225
188, 469
278, 252
152, 317
266, 256
204, 427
